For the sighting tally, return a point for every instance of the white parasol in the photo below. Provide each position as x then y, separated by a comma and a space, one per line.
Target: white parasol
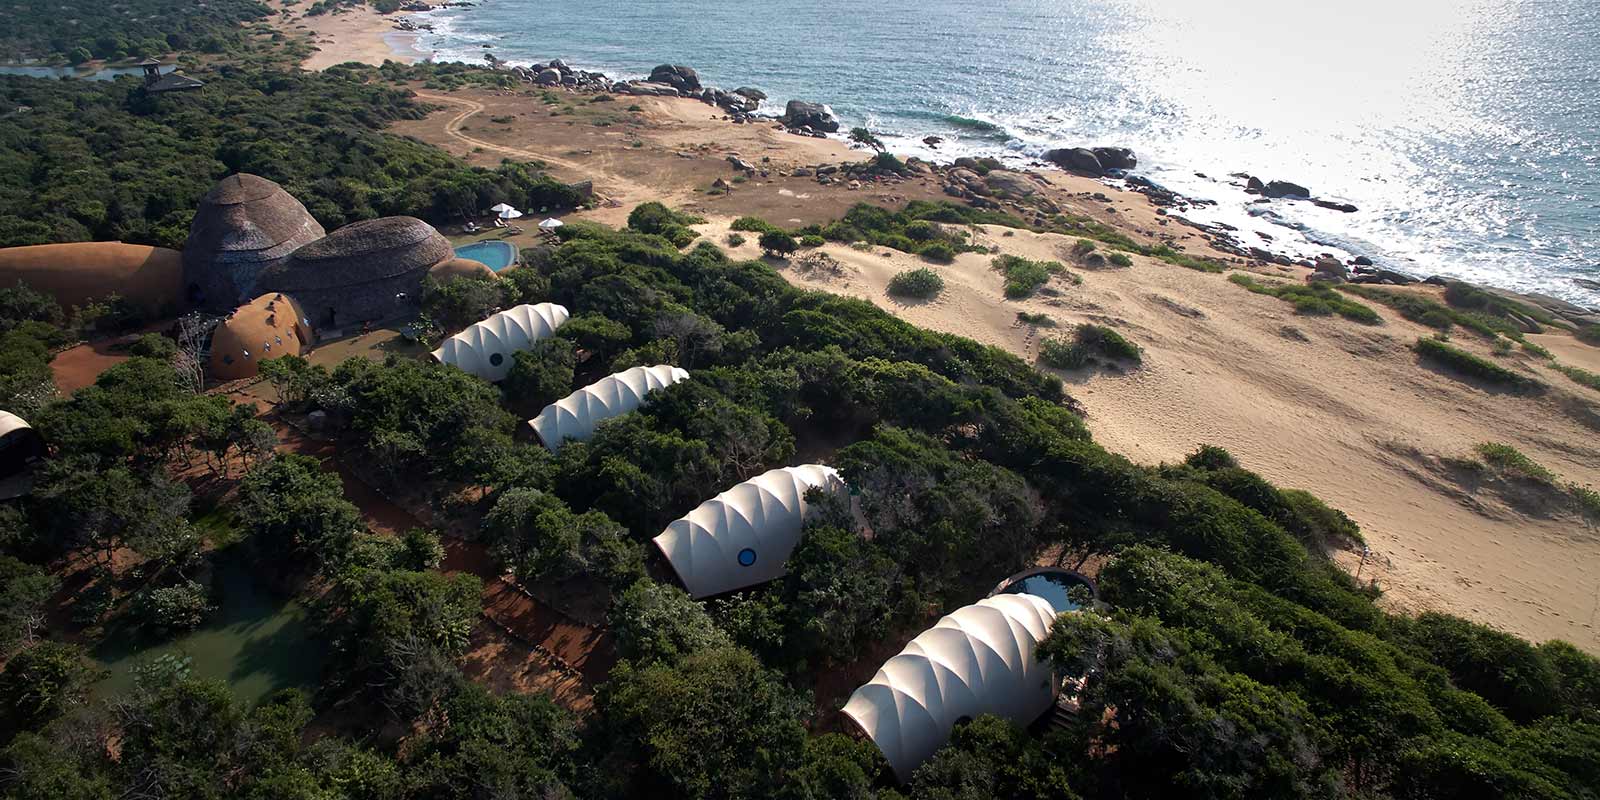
551, 224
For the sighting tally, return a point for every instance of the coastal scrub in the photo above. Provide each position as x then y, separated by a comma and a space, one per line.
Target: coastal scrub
1315, 299
1024, 277
1087, 342
1447, 355
920, 283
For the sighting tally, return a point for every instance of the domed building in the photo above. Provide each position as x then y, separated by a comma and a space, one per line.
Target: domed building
80, 273
244, 225
460, 268
364, 272
270, 326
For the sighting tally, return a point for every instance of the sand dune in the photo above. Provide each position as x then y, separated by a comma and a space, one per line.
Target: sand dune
1321, 403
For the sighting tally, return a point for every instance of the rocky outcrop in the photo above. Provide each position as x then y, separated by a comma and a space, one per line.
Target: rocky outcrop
1076, 159
1280, 189
751, 93
679, 77
817, 117
1116, 157
1330, 270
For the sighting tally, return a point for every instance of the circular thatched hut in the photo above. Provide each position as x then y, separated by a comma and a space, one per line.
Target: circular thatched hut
245, 225
460, 268
80, 273
364, 272
270, 326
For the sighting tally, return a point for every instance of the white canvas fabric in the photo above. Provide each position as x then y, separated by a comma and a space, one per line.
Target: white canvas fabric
575, 416
978, 660
758, 521
485, 348
11, 422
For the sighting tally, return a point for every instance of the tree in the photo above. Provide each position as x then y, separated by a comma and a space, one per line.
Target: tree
296, 511
865, 137
654, 622
778, 243
517, 745
41, 683
990, 757
24, 591
539, 376
714, 725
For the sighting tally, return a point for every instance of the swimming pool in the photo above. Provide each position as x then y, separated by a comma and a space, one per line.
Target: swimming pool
496, 255
1054, 585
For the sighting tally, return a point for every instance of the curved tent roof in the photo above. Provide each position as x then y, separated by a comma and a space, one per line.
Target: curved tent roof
744, 536
576, 415
485, 348
978, 660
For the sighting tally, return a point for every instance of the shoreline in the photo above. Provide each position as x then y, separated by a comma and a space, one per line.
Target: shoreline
359, 34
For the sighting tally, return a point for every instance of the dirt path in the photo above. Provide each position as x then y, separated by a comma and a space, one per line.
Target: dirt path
621, 190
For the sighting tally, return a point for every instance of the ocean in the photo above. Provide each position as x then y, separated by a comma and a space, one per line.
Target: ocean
1467, 132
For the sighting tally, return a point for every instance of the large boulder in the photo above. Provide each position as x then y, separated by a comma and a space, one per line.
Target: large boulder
1076, 159
816, 116
1010, 183
548, 77
1285, 189
751, 92
1116, 157
679, 77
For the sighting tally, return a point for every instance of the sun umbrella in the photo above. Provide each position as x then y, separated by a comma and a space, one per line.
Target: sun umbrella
510, 213
551, 224
502, 208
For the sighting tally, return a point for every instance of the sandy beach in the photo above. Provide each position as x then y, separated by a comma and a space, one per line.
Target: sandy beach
1320, 403
356, 34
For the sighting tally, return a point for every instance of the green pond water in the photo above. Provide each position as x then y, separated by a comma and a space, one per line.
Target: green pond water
256, 642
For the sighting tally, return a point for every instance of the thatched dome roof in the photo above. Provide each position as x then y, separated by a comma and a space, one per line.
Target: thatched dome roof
460, 268
270, 326
244, 224
80, 273
361, 252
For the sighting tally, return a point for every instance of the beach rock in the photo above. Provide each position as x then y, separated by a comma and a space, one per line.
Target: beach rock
1396, 278
1076, 159
721, 184
1334, 206
548, 77
1253, 185
1280, 189
1587, 284
679, 77
751, 93
647, 89
802, 172
1116, 157
1362, 261
740, 164
932, 141
1012, 183
800, 114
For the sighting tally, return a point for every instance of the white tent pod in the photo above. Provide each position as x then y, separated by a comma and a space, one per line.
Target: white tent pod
485, 348
744, 536
978, 660
576, 415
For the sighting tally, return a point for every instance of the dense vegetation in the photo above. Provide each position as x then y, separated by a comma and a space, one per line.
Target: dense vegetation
1233, 659
101, 160
921, 283
49, 29
1087, 342
1024, 276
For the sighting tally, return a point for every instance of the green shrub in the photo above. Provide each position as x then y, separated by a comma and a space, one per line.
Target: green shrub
1315, 299
1024, 277
1086, 342
735, 240
1120, 260
938, 252
1506, 458
921, 282
1589, 334
812, 240
1425, 310
1581, 376
1041, 320
778, 243
753, 225
1447, 355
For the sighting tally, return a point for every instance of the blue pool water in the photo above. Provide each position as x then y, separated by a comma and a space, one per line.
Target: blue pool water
496, 255
1053, 586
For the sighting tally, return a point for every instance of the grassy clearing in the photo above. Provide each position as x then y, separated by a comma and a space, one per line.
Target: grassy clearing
1454, 358
1087, 342
1087, 228
1024, 277
1425, 310
921, 283
1315, 299
1467, 296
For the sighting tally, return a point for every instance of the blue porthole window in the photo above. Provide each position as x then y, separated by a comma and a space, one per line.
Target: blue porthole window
747, 557
495, 359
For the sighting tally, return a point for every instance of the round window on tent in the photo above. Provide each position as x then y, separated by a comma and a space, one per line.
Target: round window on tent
496, 359
747, 557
